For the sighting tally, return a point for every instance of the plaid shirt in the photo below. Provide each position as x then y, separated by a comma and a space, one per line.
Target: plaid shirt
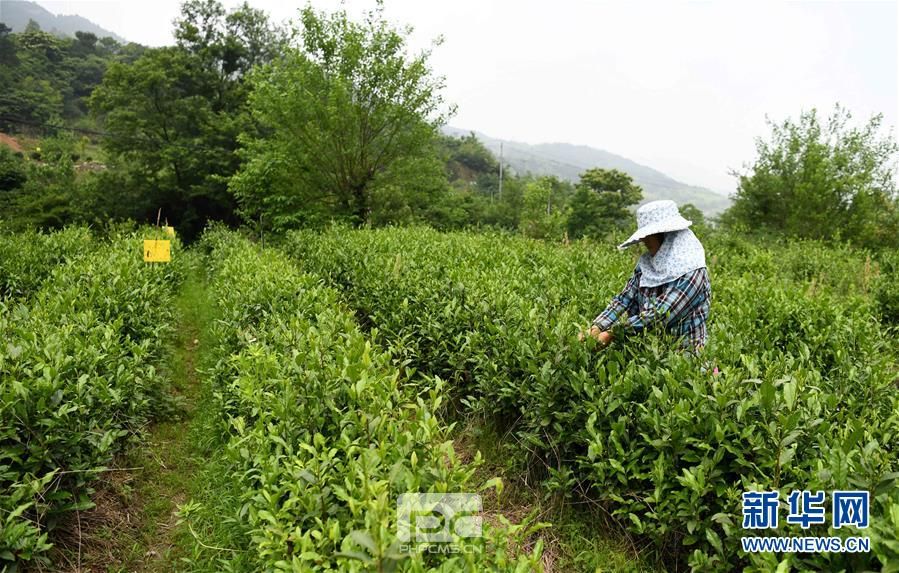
682, 304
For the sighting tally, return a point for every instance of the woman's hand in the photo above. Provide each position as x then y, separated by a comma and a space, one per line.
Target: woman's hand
603, 337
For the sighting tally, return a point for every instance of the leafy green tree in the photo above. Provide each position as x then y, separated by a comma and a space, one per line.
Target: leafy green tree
539, 218
345, 115
821, 179
174, 114
7, 46
228, 44
505, 210
12, 170
44, 193
692, 213
161, 123
601, 201
85, 43
109, 45
585, 215
459, 208
467, 158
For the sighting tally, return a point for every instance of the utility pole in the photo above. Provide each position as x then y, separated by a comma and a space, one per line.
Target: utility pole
501, 170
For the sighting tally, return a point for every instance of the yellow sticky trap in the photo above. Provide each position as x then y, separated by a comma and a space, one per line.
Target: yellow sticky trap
170, 231
156, 251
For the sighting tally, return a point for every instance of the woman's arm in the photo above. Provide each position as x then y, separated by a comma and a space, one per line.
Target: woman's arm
619, 304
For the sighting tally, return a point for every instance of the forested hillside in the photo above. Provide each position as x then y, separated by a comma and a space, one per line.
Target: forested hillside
212, 128
567, 162
18, 13
48, 80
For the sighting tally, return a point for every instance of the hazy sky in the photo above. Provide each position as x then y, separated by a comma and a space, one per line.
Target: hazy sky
680, 86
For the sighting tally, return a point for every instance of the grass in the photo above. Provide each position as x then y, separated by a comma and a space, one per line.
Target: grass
170, 457
582, 537
135, 523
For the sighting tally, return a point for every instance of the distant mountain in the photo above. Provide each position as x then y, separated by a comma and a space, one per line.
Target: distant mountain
568, 161
16, 13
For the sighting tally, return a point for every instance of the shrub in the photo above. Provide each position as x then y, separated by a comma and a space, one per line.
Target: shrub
27, 258
807, 398
78, 375
323, 432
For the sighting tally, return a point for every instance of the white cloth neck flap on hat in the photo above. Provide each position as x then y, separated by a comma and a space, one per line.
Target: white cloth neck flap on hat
680, 253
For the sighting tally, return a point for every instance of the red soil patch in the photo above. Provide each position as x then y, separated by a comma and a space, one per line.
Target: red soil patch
10, 142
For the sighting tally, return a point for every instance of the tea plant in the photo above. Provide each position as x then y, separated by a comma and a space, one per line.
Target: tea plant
323, 432
885, 292
78, 377
27, 258
807, 398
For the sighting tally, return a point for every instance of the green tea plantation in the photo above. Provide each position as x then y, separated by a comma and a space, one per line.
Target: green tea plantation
807, 394
305, 387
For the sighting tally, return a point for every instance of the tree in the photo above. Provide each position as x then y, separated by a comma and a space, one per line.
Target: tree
505, 210
467, 157
823, 180
539, 217
160, 123
109, 45
7, 47
85, 43
344, 114
691, 212
600, 203
228, 44
173, 116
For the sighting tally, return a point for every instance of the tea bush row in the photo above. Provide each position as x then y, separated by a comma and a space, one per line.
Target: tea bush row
807, 398
78, 378
27, 258
323, 434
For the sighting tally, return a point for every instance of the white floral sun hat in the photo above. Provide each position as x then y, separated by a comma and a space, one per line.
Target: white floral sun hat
656, 217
